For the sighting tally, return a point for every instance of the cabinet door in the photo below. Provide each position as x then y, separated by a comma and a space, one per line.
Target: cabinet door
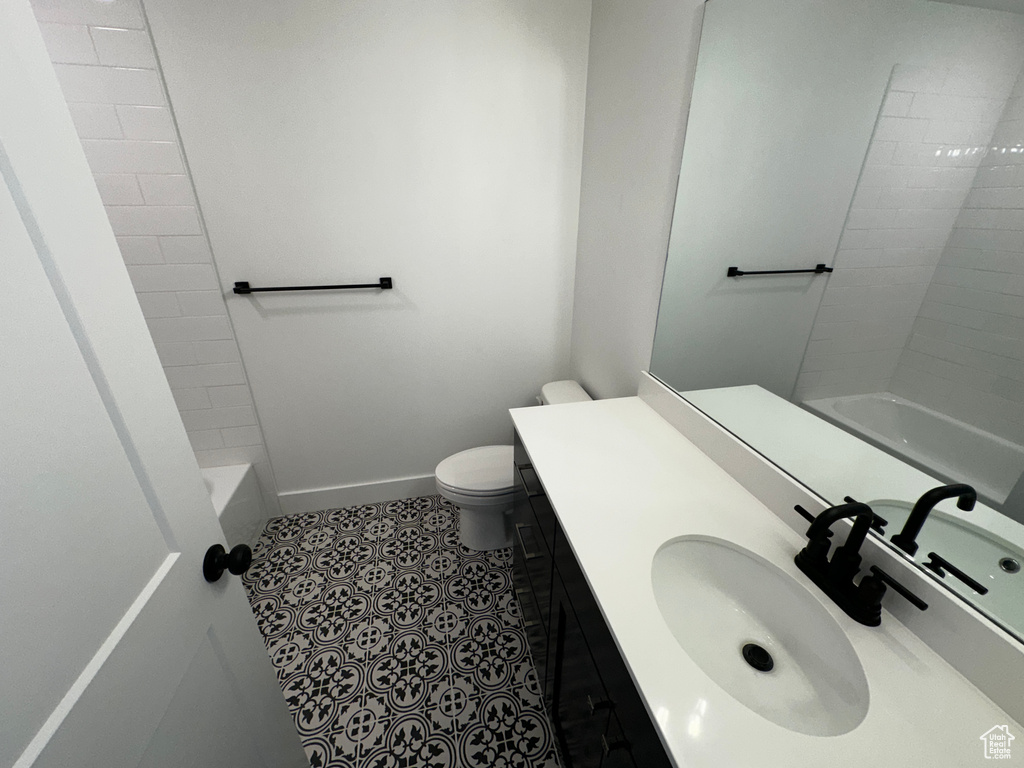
580, 719
616, 747
629, 710
535, 545
543, 512
526, 578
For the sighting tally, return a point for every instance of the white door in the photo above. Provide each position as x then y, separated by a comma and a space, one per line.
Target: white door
115, 651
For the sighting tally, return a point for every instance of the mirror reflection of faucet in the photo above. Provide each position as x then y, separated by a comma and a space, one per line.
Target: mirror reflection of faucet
906, 539
965, 496
940, 565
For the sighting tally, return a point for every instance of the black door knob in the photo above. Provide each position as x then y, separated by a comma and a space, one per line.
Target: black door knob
237, 561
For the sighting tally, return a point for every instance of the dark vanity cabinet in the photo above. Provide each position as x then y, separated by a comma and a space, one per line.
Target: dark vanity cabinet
599, 718
532, 567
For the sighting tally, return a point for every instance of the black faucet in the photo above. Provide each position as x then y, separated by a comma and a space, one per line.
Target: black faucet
905, 539
835, 578
813, 558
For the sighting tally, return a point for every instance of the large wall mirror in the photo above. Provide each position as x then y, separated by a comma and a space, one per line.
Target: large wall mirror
883, 139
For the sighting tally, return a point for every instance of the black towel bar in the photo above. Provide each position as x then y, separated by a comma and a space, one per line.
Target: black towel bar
384, 284
819, 269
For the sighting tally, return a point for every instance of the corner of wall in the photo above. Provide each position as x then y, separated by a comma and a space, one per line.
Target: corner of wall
632, 147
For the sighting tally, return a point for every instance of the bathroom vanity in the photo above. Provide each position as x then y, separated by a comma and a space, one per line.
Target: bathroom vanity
601, 719
646, 536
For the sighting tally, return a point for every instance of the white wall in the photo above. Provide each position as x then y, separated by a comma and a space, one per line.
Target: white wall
965, 356
437, 143
932, 133
108, 71
640, 71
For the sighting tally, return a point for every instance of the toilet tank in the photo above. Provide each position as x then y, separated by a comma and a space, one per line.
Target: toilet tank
558, 392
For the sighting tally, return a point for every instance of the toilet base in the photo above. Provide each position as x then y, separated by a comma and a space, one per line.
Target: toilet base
485, 528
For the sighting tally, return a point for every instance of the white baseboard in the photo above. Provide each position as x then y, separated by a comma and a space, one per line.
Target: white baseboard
298, 502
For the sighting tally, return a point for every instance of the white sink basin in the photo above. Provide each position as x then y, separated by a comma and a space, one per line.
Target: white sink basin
717, 597
973, 550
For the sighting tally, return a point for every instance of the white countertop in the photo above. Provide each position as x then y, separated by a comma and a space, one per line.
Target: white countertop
623, 481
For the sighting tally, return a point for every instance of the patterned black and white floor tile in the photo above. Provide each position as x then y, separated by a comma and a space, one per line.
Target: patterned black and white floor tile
396, 646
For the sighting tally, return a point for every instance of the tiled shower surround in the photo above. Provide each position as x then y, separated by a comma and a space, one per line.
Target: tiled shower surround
107, 69
932, 134
965, 356
395, 645
927, 300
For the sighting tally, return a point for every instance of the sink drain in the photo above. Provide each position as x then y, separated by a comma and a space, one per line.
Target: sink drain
1009, 565
758, 657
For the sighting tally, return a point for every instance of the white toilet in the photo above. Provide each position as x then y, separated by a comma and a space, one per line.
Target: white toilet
479, 481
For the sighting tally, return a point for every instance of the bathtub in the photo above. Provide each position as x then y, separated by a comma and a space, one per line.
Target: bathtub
941, 446
237, 500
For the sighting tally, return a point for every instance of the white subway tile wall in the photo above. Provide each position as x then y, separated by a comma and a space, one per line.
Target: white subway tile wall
128, 156
145, 123
107, 68
932, 134
123, 47
109, 85
965, 354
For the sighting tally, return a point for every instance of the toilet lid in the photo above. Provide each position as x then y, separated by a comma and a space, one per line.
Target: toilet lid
479, 471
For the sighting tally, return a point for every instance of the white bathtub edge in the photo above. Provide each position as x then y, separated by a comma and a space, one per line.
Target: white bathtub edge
237, 500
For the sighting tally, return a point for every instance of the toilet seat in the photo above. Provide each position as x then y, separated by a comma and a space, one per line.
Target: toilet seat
463, 500
480, 475
480, 483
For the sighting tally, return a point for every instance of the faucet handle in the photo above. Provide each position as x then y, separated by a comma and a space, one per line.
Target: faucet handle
804, 513
878, 522
937, 563
873, 588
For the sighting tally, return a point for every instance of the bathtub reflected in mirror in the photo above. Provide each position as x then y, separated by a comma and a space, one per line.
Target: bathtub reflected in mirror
943, 447
887, 141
